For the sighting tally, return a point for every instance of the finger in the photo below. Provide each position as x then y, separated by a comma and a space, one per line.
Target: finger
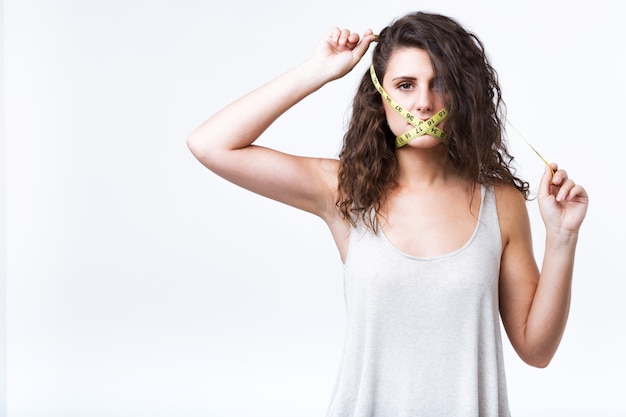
364, 43
546, 180
578, 192
559, 177
343, 37
564, 190
334, 34
352, 40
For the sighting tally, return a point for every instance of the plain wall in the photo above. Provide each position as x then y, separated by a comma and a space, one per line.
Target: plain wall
3, 271
139, 283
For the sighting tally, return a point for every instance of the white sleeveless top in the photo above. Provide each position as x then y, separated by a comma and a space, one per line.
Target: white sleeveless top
423, 334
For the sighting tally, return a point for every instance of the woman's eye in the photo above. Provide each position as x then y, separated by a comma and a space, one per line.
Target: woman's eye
405, 86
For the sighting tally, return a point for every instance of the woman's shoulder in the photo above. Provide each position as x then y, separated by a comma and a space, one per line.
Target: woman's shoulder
512, 210
507, 194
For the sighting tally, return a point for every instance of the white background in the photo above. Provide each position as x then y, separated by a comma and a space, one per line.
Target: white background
138, 283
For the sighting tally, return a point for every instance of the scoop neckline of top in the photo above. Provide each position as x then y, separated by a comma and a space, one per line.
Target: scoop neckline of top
447, 254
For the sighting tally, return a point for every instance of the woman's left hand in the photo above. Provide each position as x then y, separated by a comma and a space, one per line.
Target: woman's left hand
562, 203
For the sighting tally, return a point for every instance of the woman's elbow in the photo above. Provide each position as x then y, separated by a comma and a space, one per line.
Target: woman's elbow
539, 363
194, 144
198, 147
537, 359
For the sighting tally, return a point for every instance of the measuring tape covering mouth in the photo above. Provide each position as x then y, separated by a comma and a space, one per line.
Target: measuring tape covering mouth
428, 127
422, 127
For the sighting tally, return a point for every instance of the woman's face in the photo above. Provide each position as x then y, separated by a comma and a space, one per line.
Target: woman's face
410, 81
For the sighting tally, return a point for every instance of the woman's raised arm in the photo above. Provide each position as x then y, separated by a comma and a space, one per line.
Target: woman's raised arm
224, 143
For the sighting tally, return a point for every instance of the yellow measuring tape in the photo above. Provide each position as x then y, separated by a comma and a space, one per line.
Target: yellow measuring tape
532, 147
422, 127
428, 127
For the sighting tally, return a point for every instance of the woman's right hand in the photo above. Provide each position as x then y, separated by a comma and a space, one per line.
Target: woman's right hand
340, 50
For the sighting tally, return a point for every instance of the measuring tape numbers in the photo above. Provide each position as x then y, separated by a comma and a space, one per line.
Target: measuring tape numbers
427, 127
422, 127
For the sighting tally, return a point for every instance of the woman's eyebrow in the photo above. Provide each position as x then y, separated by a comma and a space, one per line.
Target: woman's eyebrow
404, 77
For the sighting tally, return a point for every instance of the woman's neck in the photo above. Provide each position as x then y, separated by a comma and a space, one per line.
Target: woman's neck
424, 167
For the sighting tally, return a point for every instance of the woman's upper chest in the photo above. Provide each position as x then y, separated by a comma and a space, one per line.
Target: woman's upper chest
431, 221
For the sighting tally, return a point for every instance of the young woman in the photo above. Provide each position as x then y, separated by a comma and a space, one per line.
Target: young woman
428, 217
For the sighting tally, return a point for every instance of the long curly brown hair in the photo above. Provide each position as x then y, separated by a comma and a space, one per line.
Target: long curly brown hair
475, 124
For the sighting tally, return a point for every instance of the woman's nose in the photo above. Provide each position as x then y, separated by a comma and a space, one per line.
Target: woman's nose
424, 100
